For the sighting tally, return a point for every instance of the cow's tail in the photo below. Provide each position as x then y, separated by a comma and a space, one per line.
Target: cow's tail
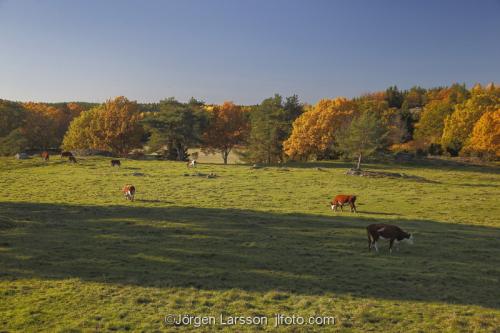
353, 199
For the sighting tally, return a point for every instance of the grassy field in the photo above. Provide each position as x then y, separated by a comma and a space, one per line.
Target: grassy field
76, 257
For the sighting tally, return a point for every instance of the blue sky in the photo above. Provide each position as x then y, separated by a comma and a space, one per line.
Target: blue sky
243, 50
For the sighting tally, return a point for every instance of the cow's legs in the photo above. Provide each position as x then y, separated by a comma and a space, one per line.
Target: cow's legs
390, 245
375, 246
341, 207
353, 207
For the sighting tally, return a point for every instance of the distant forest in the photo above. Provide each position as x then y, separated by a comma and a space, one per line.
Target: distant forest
449, 121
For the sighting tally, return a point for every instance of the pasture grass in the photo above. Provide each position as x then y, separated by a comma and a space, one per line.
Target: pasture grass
76, 257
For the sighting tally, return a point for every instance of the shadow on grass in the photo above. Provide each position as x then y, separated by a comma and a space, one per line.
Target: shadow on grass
479, 185
154, 201
219, 249
330, 165
436, 164
450, 165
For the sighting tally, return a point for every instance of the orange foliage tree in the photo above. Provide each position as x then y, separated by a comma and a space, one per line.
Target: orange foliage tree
45, 125
228, 127
313, 132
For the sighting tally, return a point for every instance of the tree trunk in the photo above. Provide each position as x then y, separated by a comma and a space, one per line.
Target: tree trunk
180, 154
224, 156
359, 162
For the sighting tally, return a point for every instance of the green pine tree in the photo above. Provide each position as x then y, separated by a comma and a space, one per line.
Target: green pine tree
362, 137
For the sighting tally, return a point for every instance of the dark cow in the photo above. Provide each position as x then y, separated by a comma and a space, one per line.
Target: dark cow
66, 154
72, 159
129, 192
341, 200
115, 163
386, 231
45, 155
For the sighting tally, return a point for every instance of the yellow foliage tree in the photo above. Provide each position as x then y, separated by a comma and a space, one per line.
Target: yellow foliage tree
485, 139
459, 125
113, 126
313, 132
81, 133
429, 129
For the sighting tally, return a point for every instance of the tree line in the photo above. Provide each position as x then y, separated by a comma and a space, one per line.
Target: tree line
450, 120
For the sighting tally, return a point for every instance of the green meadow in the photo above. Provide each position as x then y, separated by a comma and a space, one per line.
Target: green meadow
75, 256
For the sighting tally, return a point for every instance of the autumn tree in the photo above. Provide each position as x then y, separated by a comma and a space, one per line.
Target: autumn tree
82, 133
228, 127
176, 127
459, 125
362, 137
415, 97
454, 94
46, 124
315, 130
485, 138
113, 126
42, 124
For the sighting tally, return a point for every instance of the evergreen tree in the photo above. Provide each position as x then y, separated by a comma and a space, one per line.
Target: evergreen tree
268, 127
176, 127
394, 97
364, 136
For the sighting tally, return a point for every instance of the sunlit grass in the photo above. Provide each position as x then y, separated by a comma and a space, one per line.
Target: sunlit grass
76, 256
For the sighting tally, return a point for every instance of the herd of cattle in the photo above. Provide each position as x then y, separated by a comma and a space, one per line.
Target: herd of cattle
375, 232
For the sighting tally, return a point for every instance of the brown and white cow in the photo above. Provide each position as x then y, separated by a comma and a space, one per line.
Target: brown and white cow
341, 200
129, 192
191, 164
386, 231
45, 155
115, 163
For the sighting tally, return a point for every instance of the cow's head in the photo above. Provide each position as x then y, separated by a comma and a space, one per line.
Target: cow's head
410, 239
332, 205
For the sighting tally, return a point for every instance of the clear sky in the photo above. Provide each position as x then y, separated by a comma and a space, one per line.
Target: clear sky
244, 51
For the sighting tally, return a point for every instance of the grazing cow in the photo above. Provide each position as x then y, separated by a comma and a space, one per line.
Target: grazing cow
341, 200
115, 163
386, 231
191, 164
66, 154
72, 159
45, 155
129, 192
